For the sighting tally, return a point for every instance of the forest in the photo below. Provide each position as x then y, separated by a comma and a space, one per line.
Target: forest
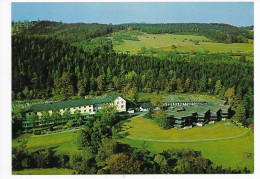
58, 61
44, 67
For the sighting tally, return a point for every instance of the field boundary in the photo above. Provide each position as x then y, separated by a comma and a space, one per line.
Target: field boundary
186, 141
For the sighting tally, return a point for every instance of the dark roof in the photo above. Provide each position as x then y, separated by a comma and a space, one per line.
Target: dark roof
69, 104
147, 105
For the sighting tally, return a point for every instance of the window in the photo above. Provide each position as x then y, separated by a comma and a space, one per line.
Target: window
84, 110
122, 102
118, 102
89, 110
122, 106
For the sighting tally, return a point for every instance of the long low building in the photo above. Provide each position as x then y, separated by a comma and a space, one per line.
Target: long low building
84, 106
198, 115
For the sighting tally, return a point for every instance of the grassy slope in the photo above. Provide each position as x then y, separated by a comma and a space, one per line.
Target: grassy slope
62, 142
44, 171
153, 131
165, 41
228, 153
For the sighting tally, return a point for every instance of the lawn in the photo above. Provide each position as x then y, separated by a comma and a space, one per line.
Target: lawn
184, 43
61, 142
226, 152
44, 171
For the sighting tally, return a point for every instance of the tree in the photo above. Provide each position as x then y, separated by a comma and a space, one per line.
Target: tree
162, 162
77, 115
70, 123
81, 88
108, 114
122, 70
67, 87
82, 138
108, 147
18, 154
230, 95
123, 164
179, 85
161, 118
157, 100
248, 102
33, 118
132, 94
109, 75
237, 100
195, 165
240, 115
218, 87
143, 50
17, 116
67, 114
92, 83
174, 47
26, 92
100, 83
187, 85
45, 117
56, 115
203, 83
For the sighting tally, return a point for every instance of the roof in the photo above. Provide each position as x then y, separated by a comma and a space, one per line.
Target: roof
177, 107
200, 109
180, 114
147, 105
69, 104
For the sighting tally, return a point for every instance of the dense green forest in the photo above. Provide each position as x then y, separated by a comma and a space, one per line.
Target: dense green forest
49, 65
70, 32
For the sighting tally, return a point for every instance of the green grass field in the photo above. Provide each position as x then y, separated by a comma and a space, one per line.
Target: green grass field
61, 142
44, 171
225, 152
184, 43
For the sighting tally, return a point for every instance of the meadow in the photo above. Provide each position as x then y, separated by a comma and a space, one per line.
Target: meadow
44, 171
183, 43
60, 142
225, 144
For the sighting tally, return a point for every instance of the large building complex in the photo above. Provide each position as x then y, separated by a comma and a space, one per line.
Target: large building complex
85, 107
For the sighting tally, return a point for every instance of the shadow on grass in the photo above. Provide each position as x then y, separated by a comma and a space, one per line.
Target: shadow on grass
123, 135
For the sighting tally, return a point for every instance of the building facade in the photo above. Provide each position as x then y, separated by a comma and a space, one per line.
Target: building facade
83, 107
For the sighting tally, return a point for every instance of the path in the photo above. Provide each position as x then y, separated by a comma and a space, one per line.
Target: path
195, 140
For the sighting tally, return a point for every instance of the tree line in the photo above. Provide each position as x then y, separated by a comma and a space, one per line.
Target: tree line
75, 32
217, 32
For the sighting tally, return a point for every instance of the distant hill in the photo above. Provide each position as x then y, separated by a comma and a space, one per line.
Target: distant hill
74, 32
224, 33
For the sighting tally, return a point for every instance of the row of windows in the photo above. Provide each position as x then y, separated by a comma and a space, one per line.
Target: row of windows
122, 106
